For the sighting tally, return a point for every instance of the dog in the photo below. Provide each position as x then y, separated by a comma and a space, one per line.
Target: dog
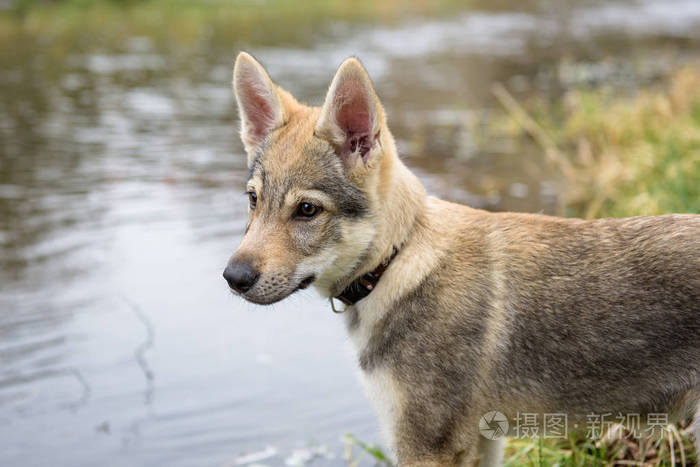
456, 312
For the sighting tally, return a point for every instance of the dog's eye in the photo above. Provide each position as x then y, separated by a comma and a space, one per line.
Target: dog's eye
253, 199
307, 210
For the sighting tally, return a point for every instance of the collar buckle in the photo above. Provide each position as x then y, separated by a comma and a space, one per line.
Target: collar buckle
335, 310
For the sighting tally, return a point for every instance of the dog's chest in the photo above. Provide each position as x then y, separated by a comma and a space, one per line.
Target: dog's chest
380, 386
380, 389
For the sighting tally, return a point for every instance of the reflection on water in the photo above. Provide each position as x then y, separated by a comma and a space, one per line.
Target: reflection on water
120, 201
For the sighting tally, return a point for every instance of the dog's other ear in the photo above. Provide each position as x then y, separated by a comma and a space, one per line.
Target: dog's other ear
351, 114
259, 104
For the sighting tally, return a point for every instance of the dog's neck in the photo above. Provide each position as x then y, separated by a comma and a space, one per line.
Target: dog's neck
400, 200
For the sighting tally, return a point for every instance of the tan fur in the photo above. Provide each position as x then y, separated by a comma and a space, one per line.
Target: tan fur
478, 311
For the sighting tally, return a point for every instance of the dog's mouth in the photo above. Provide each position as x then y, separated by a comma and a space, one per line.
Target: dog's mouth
306, 282
270, 299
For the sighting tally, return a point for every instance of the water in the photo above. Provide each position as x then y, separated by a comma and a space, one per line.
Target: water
121, 200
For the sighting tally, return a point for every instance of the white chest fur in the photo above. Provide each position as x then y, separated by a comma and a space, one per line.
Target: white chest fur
380, 386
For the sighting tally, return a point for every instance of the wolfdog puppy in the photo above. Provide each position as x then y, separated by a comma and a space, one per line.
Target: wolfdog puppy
457, 312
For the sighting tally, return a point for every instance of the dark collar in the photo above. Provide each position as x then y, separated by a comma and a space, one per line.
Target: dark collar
365, 284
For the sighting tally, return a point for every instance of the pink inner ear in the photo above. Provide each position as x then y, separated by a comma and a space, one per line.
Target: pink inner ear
353, 114
258, 109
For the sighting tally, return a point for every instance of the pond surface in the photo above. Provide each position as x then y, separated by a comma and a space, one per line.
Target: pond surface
121, 184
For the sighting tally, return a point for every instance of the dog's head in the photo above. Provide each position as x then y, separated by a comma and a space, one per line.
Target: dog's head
313, 184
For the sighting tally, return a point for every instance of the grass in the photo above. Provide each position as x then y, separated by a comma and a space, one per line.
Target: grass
375, 453
674, 448
184, 23
624, 156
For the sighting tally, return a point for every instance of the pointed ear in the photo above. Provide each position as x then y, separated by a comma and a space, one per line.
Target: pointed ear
350, 116
259, 104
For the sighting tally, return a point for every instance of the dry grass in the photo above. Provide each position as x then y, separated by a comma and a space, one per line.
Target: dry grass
629, 155
674, 448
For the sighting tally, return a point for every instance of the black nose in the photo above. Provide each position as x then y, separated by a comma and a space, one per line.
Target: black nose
240, 276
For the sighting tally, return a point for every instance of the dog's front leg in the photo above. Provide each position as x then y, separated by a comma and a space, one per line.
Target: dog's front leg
491, 452
435, 443
428, 463
484, 453
411, 454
